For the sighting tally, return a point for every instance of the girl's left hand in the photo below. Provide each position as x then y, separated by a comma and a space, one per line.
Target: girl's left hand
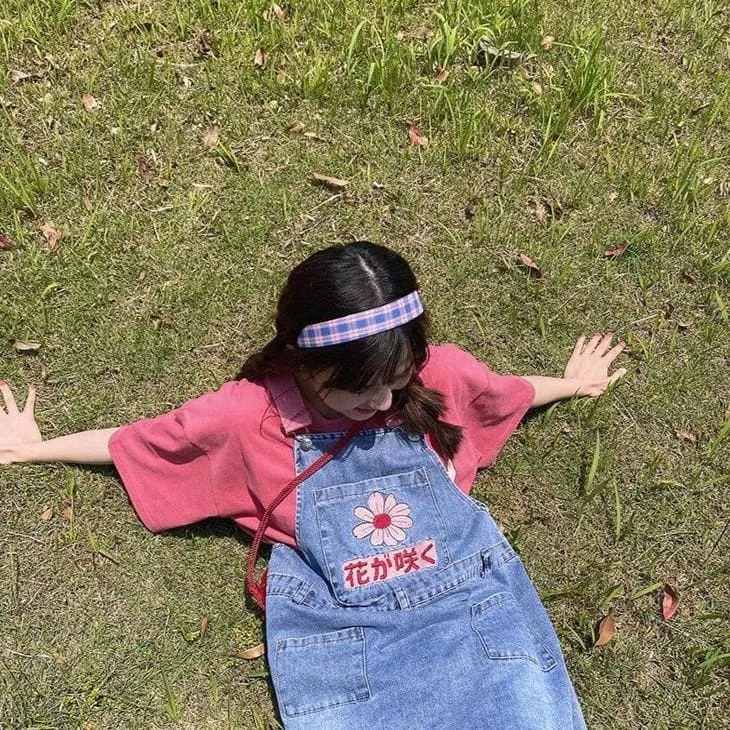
590, 362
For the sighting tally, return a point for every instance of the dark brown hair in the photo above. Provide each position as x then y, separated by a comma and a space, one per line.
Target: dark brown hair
342, 280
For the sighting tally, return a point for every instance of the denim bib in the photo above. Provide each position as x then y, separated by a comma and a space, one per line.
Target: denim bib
404, 607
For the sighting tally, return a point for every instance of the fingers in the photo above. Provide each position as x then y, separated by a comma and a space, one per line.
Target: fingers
618, 374
578, 347
9, 399
614, 352
30, 401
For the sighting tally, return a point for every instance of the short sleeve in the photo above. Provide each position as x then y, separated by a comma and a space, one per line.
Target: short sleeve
175, 466
489, 406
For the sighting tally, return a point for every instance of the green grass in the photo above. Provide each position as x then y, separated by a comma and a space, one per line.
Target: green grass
615, 135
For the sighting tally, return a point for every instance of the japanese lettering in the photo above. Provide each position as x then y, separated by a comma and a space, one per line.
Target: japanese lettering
361, 572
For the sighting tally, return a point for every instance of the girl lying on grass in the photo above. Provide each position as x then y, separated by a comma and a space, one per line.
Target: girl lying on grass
392, 598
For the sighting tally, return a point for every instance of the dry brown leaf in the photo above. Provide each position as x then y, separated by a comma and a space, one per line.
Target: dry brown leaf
5, 242
686, 435
442, 75
68, 514
295, 127
606, 630
211, 137
276, 12
415, 137
615, 250
51, 234
670, 600
26, 345
281, 76
547, 42
47, 514
334, 182
145, 170
90, 103
536, 88
253, 653
260, 58
87, 204
203, 626
531, 265
315, 136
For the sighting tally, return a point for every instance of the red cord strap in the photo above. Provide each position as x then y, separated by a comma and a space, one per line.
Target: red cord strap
257, 589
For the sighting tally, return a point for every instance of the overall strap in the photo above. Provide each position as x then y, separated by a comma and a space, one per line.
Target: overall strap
257, 589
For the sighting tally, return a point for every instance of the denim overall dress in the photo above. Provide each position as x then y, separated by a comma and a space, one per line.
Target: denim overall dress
404, 607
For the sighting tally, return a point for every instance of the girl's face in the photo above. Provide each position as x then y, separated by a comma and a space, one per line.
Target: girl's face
334, 403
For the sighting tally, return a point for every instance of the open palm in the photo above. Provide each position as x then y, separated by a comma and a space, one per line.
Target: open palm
591, 361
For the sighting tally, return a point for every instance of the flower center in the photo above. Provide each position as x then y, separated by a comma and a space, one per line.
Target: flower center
381, 521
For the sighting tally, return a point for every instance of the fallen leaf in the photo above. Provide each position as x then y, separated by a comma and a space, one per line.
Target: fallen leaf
276, 12
145, 170
26, 346
615, 250
531, 265
203, 626
488, 54
415, 137
314, 136
686, 435
281, 76
541, 208
51, 234
378, 186
547, 42
606, 630
68, 514
670, 599
253, 653
442, 75
536, 88
260, 58
334, 182
471, 210
211, 137
295, 127
87, 204
5, 242
18, 77
47, 514
90, 103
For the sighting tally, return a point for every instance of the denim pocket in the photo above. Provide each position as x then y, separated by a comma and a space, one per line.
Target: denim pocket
322, 671
505, 634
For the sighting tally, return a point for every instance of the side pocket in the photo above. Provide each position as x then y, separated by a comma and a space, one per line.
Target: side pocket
505, 634
322, 671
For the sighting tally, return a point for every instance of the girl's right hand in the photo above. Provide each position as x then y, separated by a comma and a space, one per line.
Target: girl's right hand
17, 428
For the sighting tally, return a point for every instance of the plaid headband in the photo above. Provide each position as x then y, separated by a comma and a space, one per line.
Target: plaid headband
361, 324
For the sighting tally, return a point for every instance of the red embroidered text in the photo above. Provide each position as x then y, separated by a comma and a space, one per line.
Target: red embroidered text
361, 572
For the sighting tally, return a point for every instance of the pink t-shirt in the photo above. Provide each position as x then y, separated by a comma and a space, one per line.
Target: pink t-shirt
229, 452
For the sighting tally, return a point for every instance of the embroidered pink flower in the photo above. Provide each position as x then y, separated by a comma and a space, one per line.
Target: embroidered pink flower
383, 520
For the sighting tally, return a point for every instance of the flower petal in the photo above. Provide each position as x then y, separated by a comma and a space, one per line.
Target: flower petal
395, 533
363, 530
400, 509
389, 504
364, 514
388, 537
375, 502
377, 537
401, 521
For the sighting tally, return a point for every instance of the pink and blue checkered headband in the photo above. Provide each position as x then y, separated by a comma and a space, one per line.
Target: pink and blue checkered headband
361, 324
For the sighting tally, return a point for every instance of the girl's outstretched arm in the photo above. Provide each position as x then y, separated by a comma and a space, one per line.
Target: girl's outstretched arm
21, 441
587, 371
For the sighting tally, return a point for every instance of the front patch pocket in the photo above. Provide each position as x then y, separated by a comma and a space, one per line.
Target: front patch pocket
379, 530
505, 634
319, 672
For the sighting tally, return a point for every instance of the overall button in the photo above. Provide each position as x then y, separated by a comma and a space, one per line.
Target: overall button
305, 443
414, 436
